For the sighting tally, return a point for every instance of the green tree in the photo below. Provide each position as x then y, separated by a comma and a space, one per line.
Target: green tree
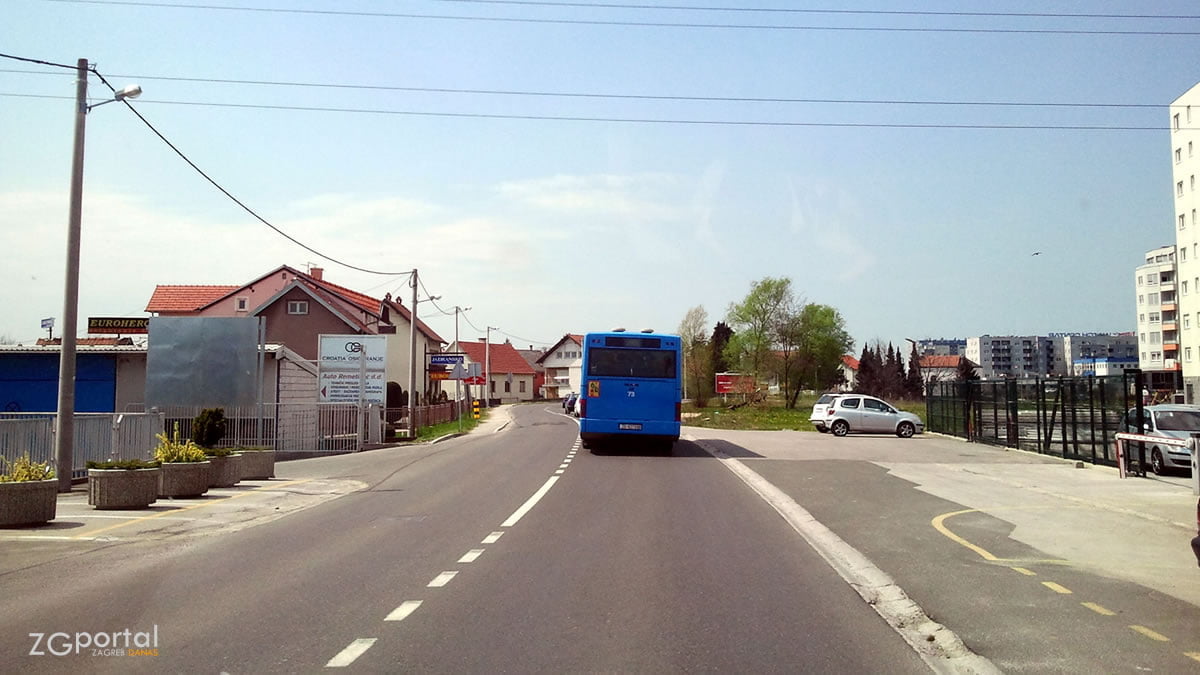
721, 335
757, 319
818, 334
914, 388
696, 359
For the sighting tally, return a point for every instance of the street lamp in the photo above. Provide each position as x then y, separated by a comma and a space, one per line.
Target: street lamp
64, 423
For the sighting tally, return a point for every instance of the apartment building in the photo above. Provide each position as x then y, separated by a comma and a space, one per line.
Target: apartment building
1157, 311
942, 347
1184, 120
1014, 355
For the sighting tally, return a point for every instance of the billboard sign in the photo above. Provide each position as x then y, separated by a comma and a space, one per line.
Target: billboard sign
734, 383
343, 360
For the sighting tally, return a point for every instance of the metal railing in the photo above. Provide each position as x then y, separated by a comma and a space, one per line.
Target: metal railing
301, 428
1069, 417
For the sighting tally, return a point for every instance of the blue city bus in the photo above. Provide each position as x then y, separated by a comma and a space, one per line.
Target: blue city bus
632, 388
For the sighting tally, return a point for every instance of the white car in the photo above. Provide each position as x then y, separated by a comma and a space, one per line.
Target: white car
817, 418
866, 414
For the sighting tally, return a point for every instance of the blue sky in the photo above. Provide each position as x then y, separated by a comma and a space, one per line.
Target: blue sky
552, 226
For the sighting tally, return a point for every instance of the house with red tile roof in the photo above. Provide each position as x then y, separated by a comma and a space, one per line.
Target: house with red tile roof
849, 368
940, 368
564, 366
301, 306
510, 377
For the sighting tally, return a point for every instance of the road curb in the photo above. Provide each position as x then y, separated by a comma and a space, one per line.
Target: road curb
938, 646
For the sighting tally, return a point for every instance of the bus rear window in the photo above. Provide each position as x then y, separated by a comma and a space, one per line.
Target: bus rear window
604, 362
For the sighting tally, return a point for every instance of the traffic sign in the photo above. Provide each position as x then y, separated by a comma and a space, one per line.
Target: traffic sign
478, 379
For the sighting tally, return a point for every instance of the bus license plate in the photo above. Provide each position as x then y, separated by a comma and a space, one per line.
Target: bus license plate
629, 427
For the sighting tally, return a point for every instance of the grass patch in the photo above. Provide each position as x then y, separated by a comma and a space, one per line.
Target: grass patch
439, 430
771, 415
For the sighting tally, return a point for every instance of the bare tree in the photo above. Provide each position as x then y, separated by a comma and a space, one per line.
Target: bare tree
696, 357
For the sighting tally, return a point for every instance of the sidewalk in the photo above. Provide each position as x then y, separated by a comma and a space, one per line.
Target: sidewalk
1133, 529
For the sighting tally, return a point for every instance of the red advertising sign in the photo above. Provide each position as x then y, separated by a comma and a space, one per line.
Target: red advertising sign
734, 383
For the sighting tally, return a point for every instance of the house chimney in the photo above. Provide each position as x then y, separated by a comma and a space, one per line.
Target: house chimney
317, 273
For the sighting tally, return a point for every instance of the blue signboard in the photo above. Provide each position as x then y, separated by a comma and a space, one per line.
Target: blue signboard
445, 359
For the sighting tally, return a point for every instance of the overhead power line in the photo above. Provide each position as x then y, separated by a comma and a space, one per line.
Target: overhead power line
641, 120
630, 24
617, 96
792, 10
235, 200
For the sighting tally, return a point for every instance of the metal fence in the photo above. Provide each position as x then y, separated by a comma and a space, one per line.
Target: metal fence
295, 429
98, 437
1069, 417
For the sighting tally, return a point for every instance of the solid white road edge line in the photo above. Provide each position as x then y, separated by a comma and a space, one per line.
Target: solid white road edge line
945, 653
529, 503
353, 651
401, 613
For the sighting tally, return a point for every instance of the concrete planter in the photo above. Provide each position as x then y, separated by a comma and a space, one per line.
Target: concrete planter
183, 479
226, 471
28, 502
122, 488
258, 465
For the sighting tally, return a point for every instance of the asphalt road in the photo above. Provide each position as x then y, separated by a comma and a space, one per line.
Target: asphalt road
471, 555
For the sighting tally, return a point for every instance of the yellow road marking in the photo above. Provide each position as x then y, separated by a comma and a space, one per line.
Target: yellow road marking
1022, 570
1098, 609
160, 514
1056, 588
1192, 655
1159, 637
939, 524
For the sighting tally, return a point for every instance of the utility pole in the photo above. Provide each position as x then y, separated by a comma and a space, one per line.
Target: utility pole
412, 360
458, 406
64, 421
487, 367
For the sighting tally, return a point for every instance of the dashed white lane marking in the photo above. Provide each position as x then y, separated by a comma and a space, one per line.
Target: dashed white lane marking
492, 538
563, 465
401, 613
350, 653
558, 473
442, 579
1057, 588
1153, 635
530, 503
471, 556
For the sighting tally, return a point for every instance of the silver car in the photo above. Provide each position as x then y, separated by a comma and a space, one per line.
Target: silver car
866, 414
817, 418
1169, 421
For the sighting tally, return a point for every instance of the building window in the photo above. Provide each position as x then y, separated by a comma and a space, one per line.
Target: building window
1187, 354
1182, 221
1141, 318
507, 387
1183, 254
521, 386
243, 304
1156, 356
1141, 299
1151, 279
1185, 288
297, 307
1189, 148
1192, 180
1175, 121
1179, 189
559, 354
1154, 317
1155, 337
1187, 321
493, 383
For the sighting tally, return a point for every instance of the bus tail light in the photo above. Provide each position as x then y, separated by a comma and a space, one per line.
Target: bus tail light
582, 405
678, 412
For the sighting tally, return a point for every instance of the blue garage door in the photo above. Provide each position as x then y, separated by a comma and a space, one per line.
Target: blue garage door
29, 382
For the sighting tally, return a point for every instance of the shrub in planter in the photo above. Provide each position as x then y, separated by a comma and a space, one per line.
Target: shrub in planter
185, 467
127, 484
209, 427
258, 463
28, 492
226, 468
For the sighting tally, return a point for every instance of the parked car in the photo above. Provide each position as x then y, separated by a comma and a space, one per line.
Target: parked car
866, 414
1168, 421
569, 402
817, 418
576, 405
